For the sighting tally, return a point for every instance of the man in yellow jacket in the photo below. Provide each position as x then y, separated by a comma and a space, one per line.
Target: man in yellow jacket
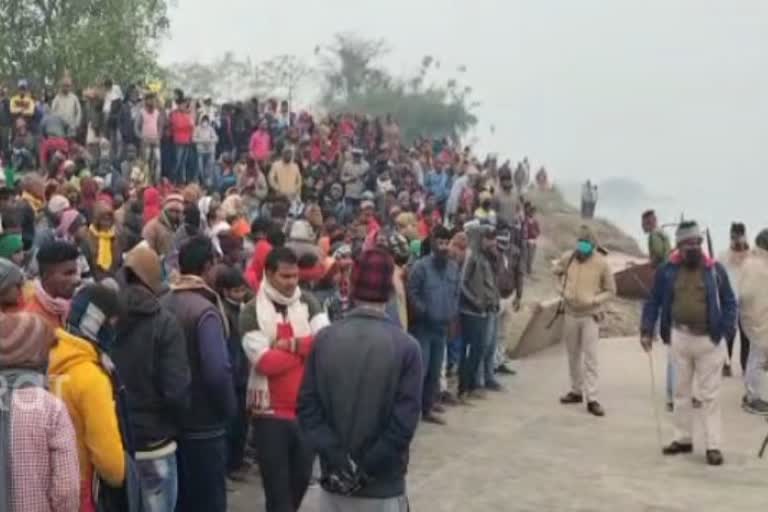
587, 285
80, 376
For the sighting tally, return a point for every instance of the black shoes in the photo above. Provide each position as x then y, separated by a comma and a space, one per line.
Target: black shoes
727, 371
595, 409
494, 386
505, 370
571, 398
433, 419
676, 448
714, 458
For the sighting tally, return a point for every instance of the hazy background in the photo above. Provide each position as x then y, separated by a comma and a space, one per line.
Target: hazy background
670, 93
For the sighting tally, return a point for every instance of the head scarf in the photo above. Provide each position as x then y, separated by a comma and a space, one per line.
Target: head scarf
104, 238
57, 204
70, 221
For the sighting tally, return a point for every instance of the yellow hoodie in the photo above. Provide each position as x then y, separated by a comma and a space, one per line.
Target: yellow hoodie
78, 379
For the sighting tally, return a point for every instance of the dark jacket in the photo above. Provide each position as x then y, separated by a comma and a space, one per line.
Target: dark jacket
151, 356
509, 274
433, 292
721, 301
479, 289
240, 365
212, 393
361, 398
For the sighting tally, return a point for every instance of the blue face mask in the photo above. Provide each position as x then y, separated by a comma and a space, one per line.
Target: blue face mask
584, 248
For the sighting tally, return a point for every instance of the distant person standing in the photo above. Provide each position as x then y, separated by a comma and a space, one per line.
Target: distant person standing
587, 285
753, 308
507, 200
67, 107
693, 297
509, 273
659, 249
433, 294
360, 401
182, 129
532, 232
733, 260
588, 200
658, 241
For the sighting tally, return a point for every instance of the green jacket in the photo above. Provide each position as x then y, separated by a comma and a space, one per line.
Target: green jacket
658, 247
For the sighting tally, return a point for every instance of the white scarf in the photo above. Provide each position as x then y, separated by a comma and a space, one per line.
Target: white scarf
259, 342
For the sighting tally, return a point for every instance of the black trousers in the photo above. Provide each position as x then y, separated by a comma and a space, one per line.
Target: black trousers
285, 462
237, 434
744, 353
202, 466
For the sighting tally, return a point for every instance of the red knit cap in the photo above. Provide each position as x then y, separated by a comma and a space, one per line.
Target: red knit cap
372, 276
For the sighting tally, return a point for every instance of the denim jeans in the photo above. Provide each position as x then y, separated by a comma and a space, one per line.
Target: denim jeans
186, 164
432, 340
453, 351
487, 367
159, 483
202, 474
205, 167
474, 332
150, 153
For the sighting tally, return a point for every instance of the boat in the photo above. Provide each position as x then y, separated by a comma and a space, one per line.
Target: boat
635, 282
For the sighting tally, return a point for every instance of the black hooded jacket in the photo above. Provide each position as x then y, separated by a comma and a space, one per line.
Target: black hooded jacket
151, 357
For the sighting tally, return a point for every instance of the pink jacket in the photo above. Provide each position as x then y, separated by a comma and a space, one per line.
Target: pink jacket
45, 475
259, 146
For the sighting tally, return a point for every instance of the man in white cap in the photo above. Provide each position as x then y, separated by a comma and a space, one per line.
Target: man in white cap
693, 297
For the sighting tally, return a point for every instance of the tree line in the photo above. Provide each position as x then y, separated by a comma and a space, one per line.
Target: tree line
92, 40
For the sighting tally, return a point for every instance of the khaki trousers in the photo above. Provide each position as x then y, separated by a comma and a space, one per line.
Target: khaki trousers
581, 335
697, 358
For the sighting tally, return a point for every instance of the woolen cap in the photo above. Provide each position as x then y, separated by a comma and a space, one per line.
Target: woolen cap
25, 340
145, 263
371, 278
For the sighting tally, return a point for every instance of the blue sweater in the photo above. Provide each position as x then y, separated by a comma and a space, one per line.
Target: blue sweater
721, 301
438, 184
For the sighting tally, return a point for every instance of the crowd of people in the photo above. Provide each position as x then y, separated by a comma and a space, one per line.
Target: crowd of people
200, 285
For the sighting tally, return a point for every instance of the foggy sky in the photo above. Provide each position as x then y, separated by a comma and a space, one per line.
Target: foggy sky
673, 93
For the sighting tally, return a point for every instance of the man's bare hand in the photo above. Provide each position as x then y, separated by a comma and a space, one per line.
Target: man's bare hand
516, 304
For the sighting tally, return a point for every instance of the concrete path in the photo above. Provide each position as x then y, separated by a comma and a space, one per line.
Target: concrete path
522, 451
